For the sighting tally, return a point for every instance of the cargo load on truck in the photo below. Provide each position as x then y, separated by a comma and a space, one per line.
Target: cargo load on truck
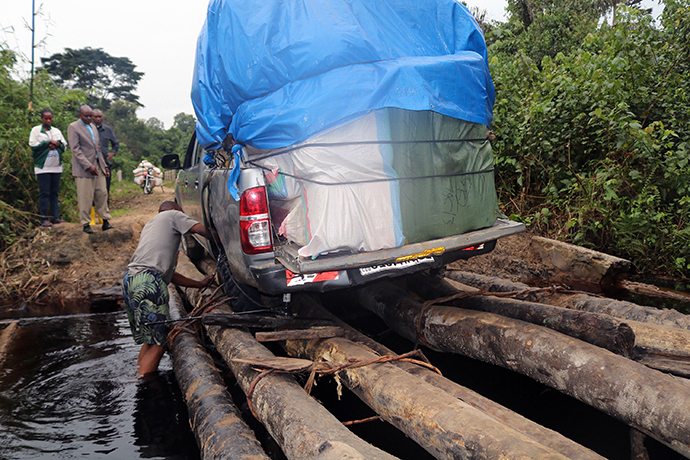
369, 119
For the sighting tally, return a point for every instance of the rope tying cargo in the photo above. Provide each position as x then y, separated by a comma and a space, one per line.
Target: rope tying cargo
370, 181
292, 148
327, 368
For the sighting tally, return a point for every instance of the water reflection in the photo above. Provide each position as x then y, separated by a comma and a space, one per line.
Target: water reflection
68, 390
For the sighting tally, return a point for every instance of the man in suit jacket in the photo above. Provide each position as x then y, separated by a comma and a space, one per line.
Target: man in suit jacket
89, 169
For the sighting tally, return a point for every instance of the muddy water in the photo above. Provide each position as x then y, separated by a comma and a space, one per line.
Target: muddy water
68, 390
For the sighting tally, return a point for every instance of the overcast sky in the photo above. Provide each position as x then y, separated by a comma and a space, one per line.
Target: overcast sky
158, 36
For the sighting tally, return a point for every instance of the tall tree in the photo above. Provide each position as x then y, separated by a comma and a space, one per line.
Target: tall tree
104, 77
544, 28
185, 123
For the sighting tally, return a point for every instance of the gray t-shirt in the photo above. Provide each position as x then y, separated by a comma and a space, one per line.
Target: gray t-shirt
159, 243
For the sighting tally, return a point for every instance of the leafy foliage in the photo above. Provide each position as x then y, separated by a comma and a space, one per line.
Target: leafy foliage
593, 140
145, 139
18, 186
104, 77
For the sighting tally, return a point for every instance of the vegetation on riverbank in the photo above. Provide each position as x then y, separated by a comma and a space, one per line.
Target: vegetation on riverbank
592, 125
593, 128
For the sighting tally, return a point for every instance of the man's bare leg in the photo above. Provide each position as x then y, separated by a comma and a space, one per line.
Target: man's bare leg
144, 349
150, 359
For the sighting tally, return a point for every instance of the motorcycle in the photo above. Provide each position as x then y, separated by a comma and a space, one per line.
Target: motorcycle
148, 177
149, 181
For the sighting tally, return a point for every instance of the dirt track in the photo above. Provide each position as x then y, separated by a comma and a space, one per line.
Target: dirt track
64, 263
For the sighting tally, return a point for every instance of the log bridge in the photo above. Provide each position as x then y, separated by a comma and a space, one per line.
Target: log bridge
635, 371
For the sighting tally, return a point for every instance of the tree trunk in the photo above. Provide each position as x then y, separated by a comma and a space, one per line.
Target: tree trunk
601, 330
444, 426
306, 306
624, 310
653, 402
659, 346
300, 425
616, 308
217, 424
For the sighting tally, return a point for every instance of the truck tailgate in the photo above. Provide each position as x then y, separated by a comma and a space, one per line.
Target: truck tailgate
287, 254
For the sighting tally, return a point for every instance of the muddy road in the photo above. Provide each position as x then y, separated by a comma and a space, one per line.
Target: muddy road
64, 266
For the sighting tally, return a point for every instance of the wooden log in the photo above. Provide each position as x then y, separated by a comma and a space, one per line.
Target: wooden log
302, 427
616, 308
260, 321
444, 426
106, 295
217, 424
305, 305
300, 334
624, 310
576, 262
652, 291
485, 282
660, 347
601, 330
649, 400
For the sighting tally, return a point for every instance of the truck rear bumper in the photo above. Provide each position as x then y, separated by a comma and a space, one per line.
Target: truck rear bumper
336, 271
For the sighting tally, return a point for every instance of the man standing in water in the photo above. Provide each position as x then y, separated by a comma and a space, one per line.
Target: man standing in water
144, 286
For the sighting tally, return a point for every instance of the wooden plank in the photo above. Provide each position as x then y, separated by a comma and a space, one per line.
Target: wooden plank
300, 334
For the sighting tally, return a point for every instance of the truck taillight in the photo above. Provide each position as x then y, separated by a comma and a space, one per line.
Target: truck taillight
255, 223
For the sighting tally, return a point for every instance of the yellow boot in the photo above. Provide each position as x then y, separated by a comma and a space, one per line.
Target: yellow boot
95, 217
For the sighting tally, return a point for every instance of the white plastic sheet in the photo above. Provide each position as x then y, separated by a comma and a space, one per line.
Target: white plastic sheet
342, 215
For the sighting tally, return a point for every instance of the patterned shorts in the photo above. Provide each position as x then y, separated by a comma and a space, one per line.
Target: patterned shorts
146, 300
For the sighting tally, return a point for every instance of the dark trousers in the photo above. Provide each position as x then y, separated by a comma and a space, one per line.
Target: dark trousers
107, 183
48, 190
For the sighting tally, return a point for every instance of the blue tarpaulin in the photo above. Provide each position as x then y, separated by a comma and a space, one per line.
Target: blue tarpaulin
275, 72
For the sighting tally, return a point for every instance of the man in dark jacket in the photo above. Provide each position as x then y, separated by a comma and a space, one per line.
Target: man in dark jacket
108, 139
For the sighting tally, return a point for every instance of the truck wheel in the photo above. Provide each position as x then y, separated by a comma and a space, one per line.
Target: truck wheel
245, 298
193, 249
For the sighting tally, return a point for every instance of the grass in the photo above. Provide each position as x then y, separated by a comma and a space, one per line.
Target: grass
123, 192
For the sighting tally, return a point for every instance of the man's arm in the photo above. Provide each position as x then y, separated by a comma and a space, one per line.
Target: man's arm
199, 229
114, 143
182, 280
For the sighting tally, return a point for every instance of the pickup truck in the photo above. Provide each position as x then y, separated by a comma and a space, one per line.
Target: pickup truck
250, 250
339, 142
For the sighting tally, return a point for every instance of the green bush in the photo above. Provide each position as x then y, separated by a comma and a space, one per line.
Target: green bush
598, 137
18, 186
